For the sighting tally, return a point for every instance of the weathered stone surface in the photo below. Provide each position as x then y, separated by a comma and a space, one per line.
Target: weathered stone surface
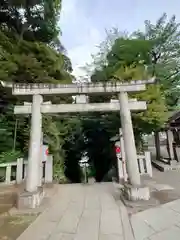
162, 222
80, 212
79, 107
134, 193
141, 229
172, 233
30, 200
31, 89
110, 237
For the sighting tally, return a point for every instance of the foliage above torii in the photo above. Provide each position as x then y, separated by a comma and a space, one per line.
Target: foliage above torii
158, 48
165, 55
34, 20
154, 52
25, 61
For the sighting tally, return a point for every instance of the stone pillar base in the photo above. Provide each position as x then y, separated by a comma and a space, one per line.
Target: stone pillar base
31, 200
135, 193
173, 162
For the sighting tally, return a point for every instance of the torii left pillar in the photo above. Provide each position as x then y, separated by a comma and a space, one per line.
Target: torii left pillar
32, 180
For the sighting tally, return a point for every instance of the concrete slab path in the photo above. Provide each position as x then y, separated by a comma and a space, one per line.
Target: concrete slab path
160, 223
81, 212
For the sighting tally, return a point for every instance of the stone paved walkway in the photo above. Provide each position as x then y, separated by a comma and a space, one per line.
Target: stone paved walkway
160, 223
80, 212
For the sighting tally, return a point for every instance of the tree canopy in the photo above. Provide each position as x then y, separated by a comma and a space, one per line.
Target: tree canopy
165, 55
142, 55
32, 20
31, 52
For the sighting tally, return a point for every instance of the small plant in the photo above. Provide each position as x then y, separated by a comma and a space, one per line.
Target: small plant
58, 174
9, 156
58, 169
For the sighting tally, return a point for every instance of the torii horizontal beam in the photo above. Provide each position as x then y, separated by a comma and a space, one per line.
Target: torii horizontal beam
74, 89
88, 107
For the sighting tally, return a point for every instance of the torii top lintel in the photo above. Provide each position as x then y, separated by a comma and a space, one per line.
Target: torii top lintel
85, 88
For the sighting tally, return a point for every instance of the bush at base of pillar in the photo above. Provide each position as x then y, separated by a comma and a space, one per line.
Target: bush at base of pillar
135, 193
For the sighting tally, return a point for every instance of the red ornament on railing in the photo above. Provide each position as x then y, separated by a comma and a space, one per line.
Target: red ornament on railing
47, 152
118, 150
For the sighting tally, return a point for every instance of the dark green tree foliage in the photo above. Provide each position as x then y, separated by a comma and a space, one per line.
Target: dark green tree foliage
6, 130
89, 135
23, 61
101, 153
128, 51
157, 48
154, 52
74, 147
165, 35
30, 51
33, 20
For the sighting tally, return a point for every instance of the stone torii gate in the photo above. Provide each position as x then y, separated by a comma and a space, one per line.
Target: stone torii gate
38, 107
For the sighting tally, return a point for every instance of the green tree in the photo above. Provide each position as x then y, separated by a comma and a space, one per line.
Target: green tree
130, 59
31, 52
34, 20
165, 64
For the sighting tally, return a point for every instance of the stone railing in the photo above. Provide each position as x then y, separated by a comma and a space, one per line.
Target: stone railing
144, 163
15, 172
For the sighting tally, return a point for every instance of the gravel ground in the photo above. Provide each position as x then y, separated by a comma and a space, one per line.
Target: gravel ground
13, 222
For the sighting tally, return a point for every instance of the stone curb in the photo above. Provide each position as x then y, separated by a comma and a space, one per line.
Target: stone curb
126, 224
127, 228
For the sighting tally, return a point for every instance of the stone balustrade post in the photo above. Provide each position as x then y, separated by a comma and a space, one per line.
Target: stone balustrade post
19, 171
49, 170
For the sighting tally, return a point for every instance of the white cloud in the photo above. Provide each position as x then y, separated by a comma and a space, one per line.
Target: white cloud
85, 36
81, 21
81, 54
68, 9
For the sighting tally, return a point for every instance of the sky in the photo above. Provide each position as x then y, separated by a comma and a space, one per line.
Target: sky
83, 23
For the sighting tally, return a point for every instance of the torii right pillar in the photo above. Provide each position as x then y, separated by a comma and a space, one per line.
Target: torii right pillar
133, 188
